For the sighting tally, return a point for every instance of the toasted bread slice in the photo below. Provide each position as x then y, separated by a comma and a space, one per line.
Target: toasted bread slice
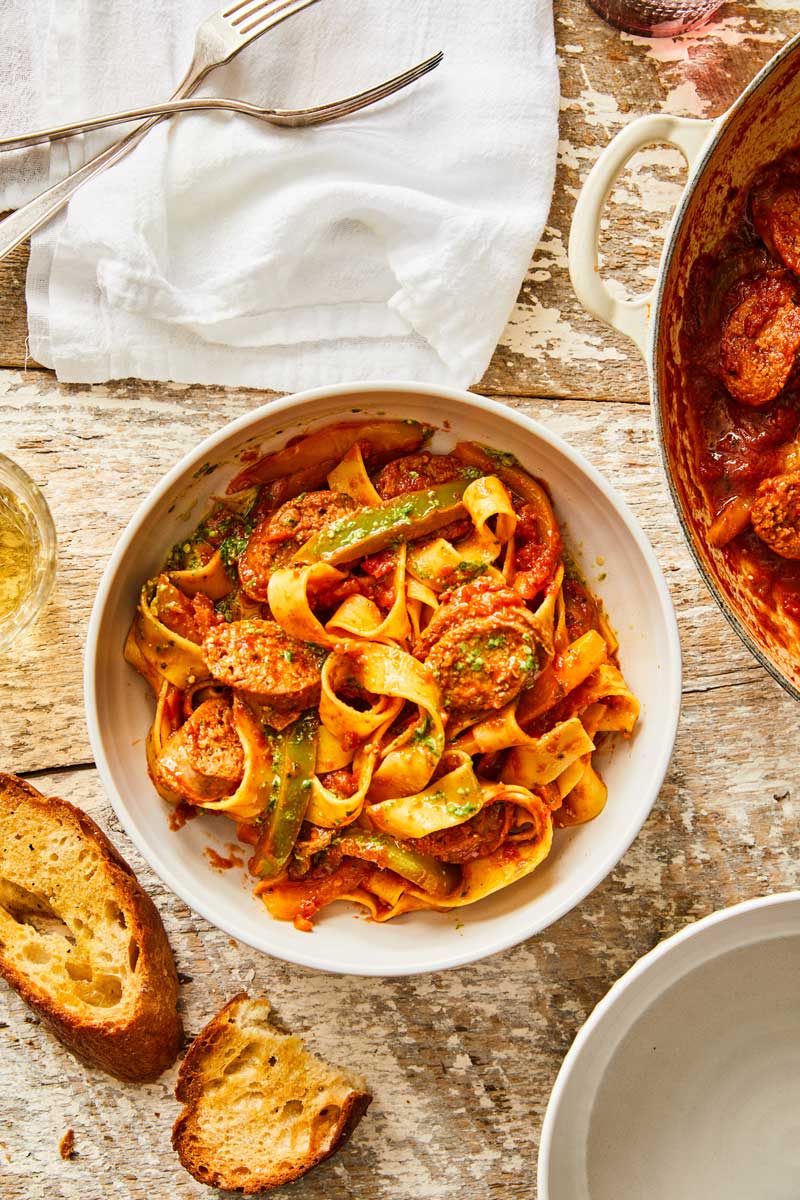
80, 940
260, 1110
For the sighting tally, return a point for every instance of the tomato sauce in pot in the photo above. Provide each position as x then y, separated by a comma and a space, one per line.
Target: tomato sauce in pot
741, 344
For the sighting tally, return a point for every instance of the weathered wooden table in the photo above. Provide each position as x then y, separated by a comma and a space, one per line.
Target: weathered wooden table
461, 1063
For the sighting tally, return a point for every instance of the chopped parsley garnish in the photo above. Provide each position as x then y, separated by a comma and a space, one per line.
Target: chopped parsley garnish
462, 810
502, 457
225, 606
233, 547
529, 663
422, 730
473, 659
468, 570
423, 737
184, 554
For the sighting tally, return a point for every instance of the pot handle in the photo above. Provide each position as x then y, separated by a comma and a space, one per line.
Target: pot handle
631, 317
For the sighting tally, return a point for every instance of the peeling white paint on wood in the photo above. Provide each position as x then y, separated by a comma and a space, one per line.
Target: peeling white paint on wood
540, 333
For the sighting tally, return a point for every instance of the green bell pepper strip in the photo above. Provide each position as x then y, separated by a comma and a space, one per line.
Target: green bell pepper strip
425, 872
401, 519
294, 752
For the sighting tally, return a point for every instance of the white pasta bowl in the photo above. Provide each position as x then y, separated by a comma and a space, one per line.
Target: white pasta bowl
597, 523
685, 1080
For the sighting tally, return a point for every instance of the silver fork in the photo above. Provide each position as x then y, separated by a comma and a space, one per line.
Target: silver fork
294, 117
217, 41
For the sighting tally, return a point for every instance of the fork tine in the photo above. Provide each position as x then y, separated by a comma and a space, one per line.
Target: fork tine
254, 19
340, 108
227, 13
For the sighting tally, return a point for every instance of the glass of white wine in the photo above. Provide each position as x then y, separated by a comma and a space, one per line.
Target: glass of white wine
27, 551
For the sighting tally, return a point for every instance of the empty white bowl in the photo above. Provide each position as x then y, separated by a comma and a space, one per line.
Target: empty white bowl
120, 707
684, 1084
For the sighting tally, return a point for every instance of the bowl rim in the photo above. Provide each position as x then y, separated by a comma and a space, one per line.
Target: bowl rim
672, 682
641, 967
656, 338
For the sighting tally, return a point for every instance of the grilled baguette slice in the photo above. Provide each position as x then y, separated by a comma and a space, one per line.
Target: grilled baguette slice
80, 940
260, 1110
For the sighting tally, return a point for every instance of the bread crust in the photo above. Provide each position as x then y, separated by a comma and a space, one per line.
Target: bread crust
143, 1044
189, 1090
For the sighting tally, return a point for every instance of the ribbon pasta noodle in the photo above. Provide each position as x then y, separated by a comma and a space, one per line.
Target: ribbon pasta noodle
381, 664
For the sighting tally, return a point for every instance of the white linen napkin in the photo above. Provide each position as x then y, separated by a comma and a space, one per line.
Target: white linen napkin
222, 250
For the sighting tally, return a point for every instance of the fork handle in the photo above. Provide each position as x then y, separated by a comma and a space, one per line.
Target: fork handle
167, 109
19, 226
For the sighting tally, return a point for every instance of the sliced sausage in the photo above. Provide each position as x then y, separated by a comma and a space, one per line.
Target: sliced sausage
258, 658
203, 760
190, 617
478, 599
776, 216
776, 514
760, 339
260, 558
480, 835
483, 663
275, 540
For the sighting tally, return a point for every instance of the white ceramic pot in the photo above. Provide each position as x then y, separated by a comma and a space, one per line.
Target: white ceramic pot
120, 708
684, 1084
723, 155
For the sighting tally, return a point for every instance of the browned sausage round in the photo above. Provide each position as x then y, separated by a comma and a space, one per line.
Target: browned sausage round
478, 599
203, 760
760, 338
482, 663
776, 514
275, 540
258, 658
776, 216
189, 616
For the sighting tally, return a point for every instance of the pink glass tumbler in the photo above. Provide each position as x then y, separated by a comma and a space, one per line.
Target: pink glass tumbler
656, 18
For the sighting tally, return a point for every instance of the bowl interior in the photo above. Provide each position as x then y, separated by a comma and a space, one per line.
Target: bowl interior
120, 708
686, 1080
763, 127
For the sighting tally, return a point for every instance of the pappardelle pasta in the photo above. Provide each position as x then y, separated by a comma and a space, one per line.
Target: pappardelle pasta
380, 662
